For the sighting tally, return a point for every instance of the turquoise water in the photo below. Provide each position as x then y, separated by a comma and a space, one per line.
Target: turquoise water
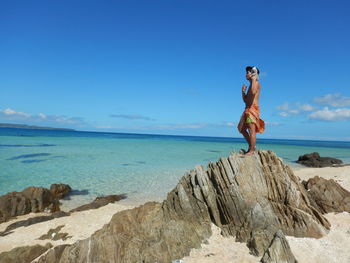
145, 167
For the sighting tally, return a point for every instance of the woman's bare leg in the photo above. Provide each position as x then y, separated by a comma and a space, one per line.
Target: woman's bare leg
246, 135
252, 139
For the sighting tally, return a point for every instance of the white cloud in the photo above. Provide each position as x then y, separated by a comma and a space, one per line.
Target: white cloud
283, 107
305, 107
283, 114
327, 114
335, 100
104, 127
131, 117
42, 116
195, 125
286, 109
12, 115
267, 123
181, 126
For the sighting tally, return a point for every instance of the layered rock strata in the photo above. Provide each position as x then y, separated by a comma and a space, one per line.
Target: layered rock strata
250, 197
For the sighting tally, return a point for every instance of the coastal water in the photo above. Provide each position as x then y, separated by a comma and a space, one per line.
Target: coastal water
145, 167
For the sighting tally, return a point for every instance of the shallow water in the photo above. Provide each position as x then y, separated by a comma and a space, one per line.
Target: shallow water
145, 167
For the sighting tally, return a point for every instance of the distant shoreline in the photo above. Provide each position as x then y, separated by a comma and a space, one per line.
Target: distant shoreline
260, 140
32, 127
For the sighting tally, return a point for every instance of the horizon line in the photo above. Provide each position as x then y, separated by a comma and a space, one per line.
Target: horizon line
156, 134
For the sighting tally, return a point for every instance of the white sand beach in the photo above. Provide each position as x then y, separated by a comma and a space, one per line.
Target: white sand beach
334, 247
79, 225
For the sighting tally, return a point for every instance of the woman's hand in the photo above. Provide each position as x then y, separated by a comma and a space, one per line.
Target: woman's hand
244, 88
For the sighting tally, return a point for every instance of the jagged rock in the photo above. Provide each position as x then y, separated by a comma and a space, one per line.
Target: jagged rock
248, 197
278, 251
315, 160
99, 202
59, 191
23, 254
143, 234
327, 195
31, 199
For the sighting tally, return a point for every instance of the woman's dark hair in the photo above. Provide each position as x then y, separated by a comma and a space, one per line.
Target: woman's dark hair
249, 69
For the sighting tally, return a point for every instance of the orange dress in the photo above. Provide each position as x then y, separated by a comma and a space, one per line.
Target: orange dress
253, 112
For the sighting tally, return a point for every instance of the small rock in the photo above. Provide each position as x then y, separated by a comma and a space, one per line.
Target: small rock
327, 195
315, 160
54, 234
278, 251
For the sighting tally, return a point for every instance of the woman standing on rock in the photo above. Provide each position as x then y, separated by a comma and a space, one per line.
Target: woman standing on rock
250, 122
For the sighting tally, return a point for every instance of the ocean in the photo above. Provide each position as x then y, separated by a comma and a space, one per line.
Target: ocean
144, 167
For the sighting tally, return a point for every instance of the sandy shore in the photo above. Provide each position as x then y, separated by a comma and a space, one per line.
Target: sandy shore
79, 225
334, 247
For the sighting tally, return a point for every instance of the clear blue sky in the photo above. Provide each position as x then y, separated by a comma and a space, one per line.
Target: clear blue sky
176, 67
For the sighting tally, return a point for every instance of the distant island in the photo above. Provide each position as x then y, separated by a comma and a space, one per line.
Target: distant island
24, 126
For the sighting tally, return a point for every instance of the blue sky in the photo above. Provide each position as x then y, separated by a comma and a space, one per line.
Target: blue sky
176, 67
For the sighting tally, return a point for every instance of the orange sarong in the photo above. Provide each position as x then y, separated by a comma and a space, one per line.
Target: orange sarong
253, 112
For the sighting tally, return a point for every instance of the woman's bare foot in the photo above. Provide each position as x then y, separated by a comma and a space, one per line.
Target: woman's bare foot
250, 151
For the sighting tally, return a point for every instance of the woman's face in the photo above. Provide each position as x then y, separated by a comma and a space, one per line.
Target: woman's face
248, 75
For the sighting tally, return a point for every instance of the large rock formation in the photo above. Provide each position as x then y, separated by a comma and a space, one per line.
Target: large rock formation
250, 197
315, 160
327, 195
31, 199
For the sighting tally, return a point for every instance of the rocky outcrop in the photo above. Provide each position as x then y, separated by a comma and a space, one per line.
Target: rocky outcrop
327, 195
278, 251
249, 197
31, 199
315, 160
24, 254
99, 202
59, 191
